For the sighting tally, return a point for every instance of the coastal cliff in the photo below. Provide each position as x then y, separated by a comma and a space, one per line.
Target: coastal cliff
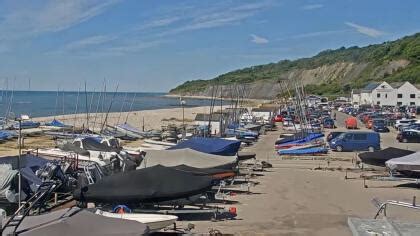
329, 72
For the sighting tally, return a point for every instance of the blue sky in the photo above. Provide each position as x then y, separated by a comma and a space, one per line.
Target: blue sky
154, 45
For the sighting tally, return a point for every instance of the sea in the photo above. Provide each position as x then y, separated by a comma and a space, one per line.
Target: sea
50, 103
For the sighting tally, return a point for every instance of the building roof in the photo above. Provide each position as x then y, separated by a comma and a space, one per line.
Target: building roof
396, 85
371, 86
355, 91
312, 96
263, 109
206, 117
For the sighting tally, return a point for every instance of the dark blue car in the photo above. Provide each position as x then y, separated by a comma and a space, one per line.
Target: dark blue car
329, 123
379, 125
356, 141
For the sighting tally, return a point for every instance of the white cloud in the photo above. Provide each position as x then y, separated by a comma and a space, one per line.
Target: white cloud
89, 41
159, 23
133, 47
258, 39
312, 6
371, 32
313, 34
175, 20
52, 16
217, 16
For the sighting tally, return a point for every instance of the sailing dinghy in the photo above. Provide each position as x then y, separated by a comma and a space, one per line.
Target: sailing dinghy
155, 222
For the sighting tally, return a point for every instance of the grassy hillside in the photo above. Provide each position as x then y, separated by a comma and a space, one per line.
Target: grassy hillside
377, 58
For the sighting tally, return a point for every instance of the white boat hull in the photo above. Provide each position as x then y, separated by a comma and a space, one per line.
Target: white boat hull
155, 222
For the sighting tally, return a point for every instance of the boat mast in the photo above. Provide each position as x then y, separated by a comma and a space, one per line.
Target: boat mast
56, 102
109, 108
90, 108
75, 111
97, 108
131, 106
87, 108
122, 108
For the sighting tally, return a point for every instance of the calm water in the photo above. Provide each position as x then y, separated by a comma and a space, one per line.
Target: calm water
38, 104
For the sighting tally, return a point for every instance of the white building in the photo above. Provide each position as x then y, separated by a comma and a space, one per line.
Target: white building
204, 120
265, 113
313, 100
385, 94
408, 94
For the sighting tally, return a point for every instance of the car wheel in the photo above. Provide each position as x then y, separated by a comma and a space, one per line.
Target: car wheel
339, 148
371, 149
404, 140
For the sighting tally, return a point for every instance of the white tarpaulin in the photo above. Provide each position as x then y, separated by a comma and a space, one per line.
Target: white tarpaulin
409, 162
187, 157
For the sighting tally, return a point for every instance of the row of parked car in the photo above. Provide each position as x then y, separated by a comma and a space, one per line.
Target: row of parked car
315, 117
381, 121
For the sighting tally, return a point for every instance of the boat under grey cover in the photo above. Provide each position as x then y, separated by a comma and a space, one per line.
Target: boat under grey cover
406, 163
378, 158
75, 221
149, 185
187, 157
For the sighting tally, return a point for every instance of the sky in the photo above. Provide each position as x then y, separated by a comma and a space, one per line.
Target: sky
155, 45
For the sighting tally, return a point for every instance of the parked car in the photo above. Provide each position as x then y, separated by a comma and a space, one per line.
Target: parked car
333, 135
369, 124
287, 121
415, 126
379, 125
351, 123
356, 141
409, 136
402, 122
328, 123
278, 118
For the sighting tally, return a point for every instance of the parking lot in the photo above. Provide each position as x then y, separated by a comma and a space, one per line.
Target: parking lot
387, 139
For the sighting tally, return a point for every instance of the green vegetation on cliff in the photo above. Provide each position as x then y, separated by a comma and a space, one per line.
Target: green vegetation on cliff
376, 58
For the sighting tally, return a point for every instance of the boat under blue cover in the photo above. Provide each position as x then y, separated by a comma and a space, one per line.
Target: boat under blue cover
216, 146
310, 137
304, 151
28, 124
56, 123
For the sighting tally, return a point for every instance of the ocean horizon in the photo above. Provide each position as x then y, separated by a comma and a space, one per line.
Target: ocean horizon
53, 103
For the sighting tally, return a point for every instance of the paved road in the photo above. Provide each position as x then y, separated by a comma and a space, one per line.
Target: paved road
387, 139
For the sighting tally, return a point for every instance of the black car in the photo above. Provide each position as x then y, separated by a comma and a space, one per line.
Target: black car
409, 137
333, 135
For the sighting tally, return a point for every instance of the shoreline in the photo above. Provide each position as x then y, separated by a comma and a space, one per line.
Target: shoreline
209, 98
153, 119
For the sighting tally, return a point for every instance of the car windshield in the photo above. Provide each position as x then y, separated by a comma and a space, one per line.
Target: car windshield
379, 122
340, 136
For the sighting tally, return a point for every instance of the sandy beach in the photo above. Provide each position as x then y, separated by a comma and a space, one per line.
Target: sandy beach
153, 119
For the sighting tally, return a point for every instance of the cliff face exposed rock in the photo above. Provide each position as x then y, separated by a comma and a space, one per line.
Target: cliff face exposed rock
270, 88
329, 72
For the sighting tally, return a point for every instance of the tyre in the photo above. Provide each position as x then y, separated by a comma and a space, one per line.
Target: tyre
404, 140
371, 149
339, 148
